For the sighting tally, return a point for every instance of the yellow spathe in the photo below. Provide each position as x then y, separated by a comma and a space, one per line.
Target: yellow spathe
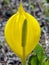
13, 32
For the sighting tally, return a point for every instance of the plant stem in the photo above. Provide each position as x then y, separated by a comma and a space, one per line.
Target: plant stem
24, 59
24, 62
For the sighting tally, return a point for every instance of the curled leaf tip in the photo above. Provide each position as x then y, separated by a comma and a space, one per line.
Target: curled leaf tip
21, 9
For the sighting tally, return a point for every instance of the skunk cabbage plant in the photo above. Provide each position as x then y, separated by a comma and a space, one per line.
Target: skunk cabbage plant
22, 33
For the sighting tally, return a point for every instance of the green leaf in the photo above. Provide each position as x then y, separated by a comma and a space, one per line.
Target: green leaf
7, 1
47, 62
32, 6
47, 1
39, 51
38, 57
33, 60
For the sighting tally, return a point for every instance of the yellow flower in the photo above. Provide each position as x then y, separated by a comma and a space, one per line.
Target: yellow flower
22, 32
